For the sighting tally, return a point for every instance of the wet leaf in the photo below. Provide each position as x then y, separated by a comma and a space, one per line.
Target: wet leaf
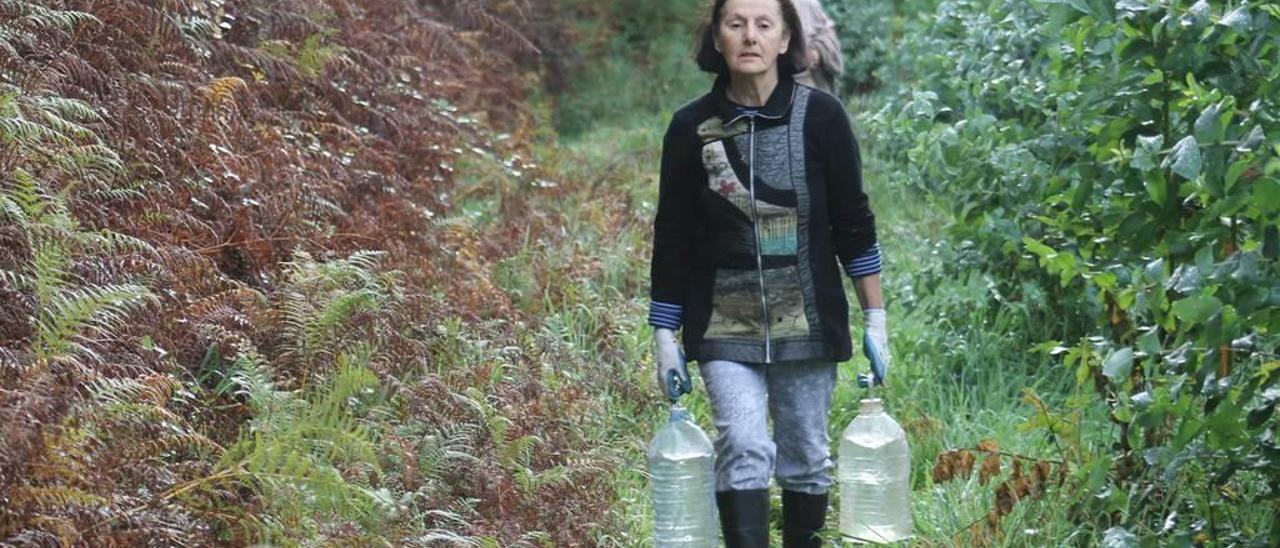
1196, 16
1185, 280
1253, 140
1185, 158
1195, 310
1238, 19
1209, 125
1119, 364
1147, 151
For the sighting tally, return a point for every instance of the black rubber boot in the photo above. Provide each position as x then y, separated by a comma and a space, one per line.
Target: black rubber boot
802, 518
744, 518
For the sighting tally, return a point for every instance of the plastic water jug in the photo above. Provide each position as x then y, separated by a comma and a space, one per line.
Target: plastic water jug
875, 477
681, 461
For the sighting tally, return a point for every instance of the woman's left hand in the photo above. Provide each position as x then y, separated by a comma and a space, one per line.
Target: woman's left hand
875, 346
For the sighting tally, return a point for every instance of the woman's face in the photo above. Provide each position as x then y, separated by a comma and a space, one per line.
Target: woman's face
751, 36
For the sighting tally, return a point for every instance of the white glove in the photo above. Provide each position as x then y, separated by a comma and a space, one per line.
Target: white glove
875, 346
673, 375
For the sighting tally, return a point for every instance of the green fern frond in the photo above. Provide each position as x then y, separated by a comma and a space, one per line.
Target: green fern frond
16, 279
112, 195
50, 261
25, 192
292, 449
317, 331
519, 453
115, 243
320, 298
530, 481
29, 134
67, 314
67, 130
66, 109
444, 445
494, 421
91, 162
250, 379
12, 210
365, 261
10, 36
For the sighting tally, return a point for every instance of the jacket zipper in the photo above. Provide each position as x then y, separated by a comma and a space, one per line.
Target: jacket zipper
755, 226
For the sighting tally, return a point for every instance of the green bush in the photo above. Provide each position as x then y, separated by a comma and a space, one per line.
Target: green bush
1115, 164
871, 33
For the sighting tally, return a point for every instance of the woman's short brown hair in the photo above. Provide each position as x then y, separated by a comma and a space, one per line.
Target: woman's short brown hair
793, 61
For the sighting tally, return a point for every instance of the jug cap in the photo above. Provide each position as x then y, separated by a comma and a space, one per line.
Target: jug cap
870, 405
678, 413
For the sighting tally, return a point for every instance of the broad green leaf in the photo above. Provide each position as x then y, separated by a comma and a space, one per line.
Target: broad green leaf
1083, 191
1146, 152
1253, 140
1266, 195
1149, 341
1185, 158
1034, 246
1209, 126
1157, 190
1196, 16
1238, 19
1141, 400
1119, 364
1186, 279
1195, 310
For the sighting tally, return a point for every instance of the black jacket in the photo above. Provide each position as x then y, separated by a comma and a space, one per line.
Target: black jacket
757, 280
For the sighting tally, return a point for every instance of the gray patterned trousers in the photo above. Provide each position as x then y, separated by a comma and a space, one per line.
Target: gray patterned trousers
798, 398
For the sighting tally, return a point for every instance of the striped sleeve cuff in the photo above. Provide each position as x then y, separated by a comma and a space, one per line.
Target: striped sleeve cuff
866, 264
665, 315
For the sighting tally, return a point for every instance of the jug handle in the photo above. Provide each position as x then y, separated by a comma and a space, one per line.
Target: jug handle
677, 386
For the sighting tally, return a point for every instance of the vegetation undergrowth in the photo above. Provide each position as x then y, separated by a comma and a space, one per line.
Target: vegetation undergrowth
282, 273
307, 273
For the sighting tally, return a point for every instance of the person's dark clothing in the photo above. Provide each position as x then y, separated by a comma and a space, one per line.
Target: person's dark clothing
757, 280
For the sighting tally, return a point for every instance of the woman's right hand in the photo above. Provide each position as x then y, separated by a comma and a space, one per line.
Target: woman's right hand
673, 375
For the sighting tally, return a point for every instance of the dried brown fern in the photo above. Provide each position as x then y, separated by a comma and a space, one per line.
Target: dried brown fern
1023, 482
236, 154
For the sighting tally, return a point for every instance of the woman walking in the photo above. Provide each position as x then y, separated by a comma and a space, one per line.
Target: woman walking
760, 210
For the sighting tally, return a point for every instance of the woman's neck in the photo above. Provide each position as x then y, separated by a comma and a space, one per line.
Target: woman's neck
752, 90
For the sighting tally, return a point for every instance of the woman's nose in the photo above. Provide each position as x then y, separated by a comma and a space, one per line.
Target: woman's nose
750, 34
